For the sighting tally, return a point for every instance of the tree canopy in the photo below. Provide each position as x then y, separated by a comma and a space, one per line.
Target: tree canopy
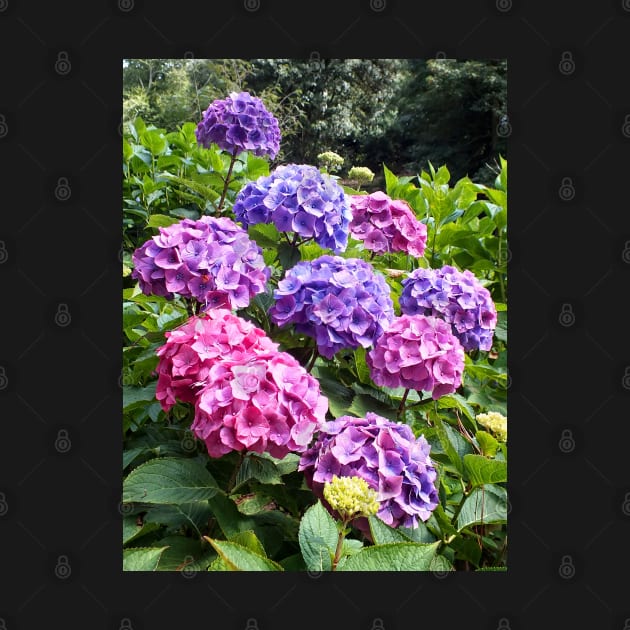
401, 112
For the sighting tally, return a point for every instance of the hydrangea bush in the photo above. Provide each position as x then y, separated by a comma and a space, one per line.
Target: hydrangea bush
322, 387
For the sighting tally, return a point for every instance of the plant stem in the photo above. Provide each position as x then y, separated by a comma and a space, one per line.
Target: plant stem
227, 181
342, 535
402, 403
312, 360
232, 480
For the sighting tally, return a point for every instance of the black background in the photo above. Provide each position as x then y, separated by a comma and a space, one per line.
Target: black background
60, 111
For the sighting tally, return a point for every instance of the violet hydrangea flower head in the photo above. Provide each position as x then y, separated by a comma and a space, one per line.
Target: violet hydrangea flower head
457, 297
260, 402
340, 302
387, 455
417, 352
386, 225
211, 259
192, 349
299, 199
239, 123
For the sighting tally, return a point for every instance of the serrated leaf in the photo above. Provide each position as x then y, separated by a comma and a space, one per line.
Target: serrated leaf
169, 480
487, 443
142, 558
240, 558
397, 556
318, 537
487, 504
481, 470
184, 553
382, 533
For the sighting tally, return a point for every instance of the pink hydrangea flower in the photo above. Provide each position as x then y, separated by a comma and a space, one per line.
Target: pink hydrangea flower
193, 348
265, 401
418, 352
386, 225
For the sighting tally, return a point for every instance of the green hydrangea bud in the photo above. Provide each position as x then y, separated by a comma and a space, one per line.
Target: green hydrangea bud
361, 174
351, 497
330, 160
496, 422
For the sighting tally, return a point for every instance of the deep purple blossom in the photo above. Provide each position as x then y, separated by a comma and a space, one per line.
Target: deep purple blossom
298, 199
387, 455
239, 123
211, 259
340, 302
455, 296
417, 352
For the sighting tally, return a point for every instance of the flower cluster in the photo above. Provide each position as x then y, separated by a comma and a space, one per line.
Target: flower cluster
417, 352
247, 394
496, 422
330, 160
211, 259
340, 302
351, 497
361, 174
386, 225
193, 348
386, 455
456, 296
299, 199
239, 123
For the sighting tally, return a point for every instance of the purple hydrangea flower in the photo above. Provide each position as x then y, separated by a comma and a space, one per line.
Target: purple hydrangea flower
386, 455
386, 225
299, 199
211, 259
340, 302
457, 297
417, 352
239, 123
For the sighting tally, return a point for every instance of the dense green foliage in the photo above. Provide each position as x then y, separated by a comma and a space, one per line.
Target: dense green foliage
184, 511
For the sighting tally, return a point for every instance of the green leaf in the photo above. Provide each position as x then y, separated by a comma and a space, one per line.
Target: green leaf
170, 481
228, 517
256, 167
185, 553
500, 332
154, 140
390, 180
265, 234
134, 395
142, 558
259, 468
362, 403
339, 397
481, 470
455, 401
293, 563
450, 441
193, 515
253, 504
132, 531
288, 255
397, 556
441, 564
318, 537
487, 443
250, 541
185, 213
382, 533
161, 220
240, 558
487, 504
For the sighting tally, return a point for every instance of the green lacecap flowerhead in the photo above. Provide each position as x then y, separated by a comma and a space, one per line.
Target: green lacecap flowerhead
351, 497
361, 174
331, 160
496, 422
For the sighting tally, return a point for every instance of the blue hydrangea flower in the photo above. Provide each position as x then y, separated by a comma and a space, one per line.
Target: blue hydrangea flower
300, 199
387, 455
239, 123
455, 296
340, 302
